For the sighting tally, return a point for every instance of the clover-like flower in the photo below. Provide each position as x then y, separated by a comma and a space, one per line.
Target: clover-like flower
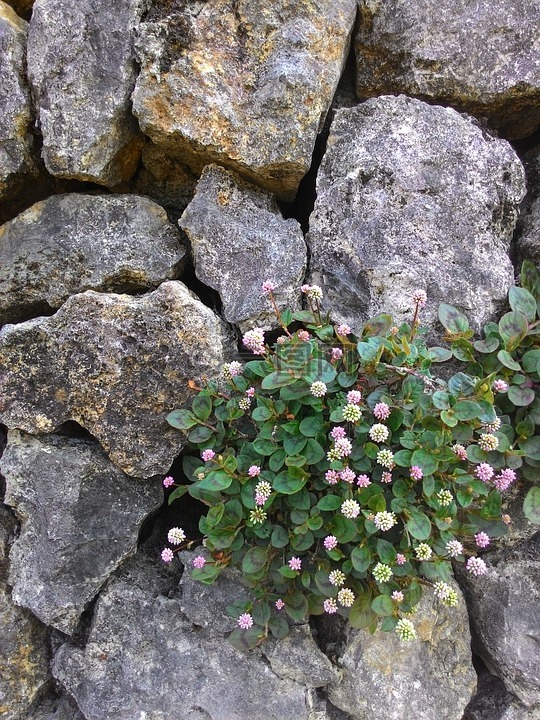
379, 432
352, 413
350, 508
476, 566
384, 520
337, 578
488, 442
345, 597
444, 498
423, 551
382, 573
330, 606
386, 458
176, 536
245, 621
454, 548
381, 411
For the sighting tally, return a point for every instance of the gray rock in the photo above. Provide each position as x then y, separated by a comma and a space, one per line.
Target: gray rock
24, 657
528, 240
479, 57
239, 240
115, 364
240, 84
82, 70
54, 708
80, 516
22, 7
140, 639
413, 196
494, 702
504, 606
431, 678
168, 181
16, 140
71, 243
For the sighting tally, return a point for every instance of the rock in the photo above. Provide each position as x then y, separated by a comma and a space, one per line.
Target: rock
80, 516
54, 708
22, 7
480, 58
494, 702
412, 196
71, 243
140, 639
239, 239
504, 606
528, 240
243, 85
431, 678
82, 71
168, 181
115, 364
24, 659
16, 140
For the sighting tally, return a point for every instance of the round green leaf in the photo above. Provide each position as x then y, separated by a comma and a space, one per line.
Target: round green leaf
382, 605
513, 328
507, 360
279, 537
531, 447
182, 419
531, 505
296, 606
520, 396
419, 525
467, 410
254, 560
522, 302
452, 319
425, 460
278, 626
202, 406
288, 484
312, 425
330, 502
215, 481
200, 434
361, 558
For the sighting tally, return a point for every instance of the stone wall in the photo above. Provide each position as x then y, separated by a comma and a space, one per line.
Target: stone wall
159, 159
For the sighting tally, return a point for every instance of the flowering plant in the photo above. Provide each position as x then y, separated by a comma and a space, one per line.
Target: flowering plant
343, 477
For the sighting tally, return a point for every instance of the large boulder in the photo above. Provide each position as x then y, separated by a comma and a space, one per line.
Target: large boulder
24, 655
22, 7
82, 70
115, 364
477, 57
412, 196
431, 678
141, 639
504, 606
243, 84
239, 239
528, 240
80, 516
16, 140
71, 243
494, 702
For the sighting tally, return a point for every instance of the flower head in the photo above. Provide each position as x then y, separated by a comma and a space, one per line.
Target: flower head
444, 498
423, 551
419, 297
198, 562
245, 621
254, 341
500, 386
363, 481
488, 442
257, 516
386, 458
400, 559
295, 563
343, 329
476, 566
342, 448
382, 573
279, 604
381, 411
484, 472
460, 451
350, 508
167, 555
244, 403
338, 433
168, 481
405, 630
492, 427
318, 388
379, 432
416, 472
250, 392
386, 477
352, 413
384, 520
330, 606
347, 475
232, 369
176, 536
337, 353
354, 397
254, 470
303, 335
345, 597
398, 596
331, 477
314, 292
454, 548
330, 542
337, 578
263, 489
482, 539
207, 455
504, 479
268, 287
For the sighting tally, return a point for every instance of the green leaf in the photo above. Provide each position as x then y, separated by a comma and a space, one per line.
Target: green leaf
202, 406
531, 505
476, 455
361, 558
261, 613
530, 361
448, 418
254, 560
245, 640
314, 452
279, 537
461, 384
288, 484
386, 551
330, 502
260, 414
403, 458
513, 328
200, 434
520, 396
369, 350
361, 615
207, 574
296, 606
378, 325
294, 444
302, 542
215, 481
182, 419
439, 354
311, 425
489, 345
177, 493
277, 379
531, 447
382, 605
452, 319
263, 446
295, 460
344, 529
522, 302
507, 360
441, 400
419, 525
467, 410
278, 626
425, 460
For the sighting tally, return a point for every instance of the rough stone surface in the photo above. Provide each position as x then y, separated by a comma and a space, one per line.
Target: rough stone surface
431, 678
16, 140
483, 58
528, 241
71, 243
141, 639
242, 84
80, 516
22, 7
412, 196
494, 702
168, 181
504, 606
82, 70
239, 239
24, 658
115, 364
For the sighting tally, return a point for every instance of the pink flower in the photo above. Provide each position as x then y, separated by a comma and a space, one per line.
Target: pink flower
500, 386
331, 477
330, 606
254, 341
363, 481
337, 353
484, 472
254, 470
207, 455
260, 499
505, 478
198, 562
330, 542
476, 566
482, 539
381, 411
347, 475
245, 621
303, 335
337, 433
305, 288
167, 555
398, 596
268, 287
416, 472
400, 559
343, 329
168, 481
354, 397
250, 392
419, 297
386, 477
295, 563
460, 451
343, 447
279, 604
176, 536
